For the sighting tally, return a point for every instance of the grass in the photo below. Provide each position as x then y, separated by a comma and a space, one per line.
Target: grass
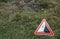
22, 26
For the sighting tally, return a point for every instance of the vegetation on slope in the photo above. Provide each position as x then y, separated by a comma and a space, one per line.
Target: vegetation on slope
18, 23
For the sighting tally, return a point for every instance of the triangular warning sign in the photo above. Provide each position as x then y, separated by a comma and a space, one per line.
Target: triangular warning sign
44, 29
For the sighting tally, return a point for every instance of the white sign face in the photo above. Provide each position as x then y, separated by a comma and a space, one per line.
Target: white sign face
42, 28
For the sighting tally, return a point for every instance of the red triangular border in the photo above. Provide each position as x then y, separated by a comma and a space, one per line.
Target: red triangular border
43, 33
